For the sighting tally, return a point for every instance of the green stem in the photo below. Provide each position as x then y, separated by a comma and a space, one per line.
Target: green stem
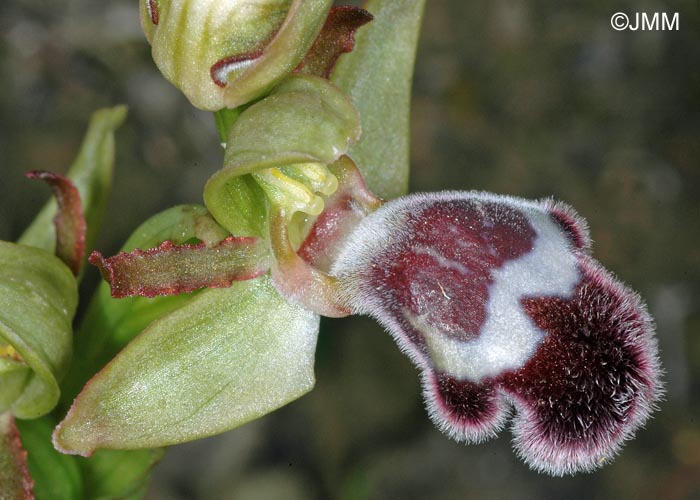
225, 118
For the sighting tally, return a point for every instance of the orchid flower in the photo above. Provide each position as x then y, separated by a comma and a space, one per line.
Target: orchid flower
499, 303
497, 300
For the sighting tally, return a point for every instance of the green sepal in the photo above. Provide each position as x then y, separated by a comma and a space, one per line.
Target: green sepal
38, 297
192, 36
306, 119
377, 75
224, 119
91, 173
226, 357
110, 323
14, 375
284, 52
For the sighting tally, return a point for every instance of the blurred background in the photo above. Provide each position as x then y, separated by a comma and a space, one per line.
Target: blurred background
526, 98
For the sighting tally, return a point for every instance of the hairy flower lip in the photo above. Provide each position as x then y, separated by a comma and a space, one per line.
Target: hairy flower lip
544, 440
591, 374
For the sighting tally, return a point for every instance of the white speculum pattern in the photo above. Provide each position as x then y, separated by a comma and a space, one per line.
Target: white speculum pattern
508, 337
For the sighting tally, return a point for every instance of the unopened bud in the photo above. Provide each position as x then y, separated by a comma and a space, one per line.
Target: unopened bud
227, 52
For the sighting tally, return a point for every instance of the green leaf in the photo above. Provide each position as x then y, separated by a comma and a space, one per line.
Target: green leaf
15, 482
118, 474
108, 474
227, 357
112, 323
306, 119
91, 173
377, 76
56, 476
38, 297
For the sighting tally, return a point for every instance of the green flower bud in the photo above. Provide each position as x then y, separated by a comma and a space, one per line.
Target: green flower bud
228, 52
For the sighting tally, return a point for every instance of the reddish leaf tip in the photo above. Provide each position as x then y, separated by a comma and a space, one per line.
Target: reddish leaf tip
69, 222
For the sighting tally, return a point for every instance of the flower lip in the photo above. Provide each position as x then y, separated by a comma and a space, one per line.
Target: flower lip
454, 265
436, 270
597, 373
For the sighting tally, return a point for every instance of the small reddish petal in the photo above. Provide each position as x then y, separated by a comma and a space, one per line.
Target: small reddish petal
593, 381
173, 269
335, 222
463, 410
69, 222
343, 211
336, 38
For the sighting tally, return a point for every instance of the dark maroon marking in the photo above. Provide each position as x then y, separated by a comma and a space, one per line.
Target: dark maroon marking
217, 66
154, 11
571, 224
467, 406
478, 237
586, 383
336, 38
